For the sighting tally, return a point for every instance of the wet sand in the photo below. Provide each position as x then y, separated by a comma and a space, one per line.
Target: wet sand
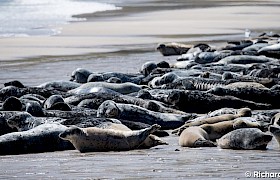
84, 45
161, 162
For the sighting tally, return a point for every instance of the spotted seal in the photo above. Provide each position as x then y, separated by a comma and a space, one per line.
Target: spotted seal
245, 138
96, 139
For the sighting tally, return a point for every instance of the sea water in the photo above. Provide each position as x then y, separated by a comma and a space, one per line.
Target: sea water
43, 17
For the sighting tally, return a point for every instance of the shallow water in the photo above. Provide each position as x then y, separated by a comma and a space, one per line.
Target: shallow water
34, 72
161, 162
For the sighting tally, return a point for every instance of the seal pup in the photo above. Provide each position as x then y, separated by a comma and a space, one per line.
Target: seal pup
43, 138
245, 138
97, 139
195, 137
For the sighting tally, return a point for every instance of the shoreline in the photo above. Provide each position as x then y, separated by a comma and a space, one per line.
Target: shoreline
142, 29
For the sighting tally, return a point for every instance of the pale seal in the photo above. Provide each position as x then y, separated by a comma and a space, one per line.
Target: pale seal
123, 88
217, 130
195, 137
149, 142
245, 138
215, 119
96, 139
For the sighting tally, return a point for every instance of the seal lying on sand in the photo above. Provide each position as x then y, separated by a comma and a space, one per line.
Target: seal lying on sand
123, 88
246, 138
215, 119
170, 49
43, 138
217, 130
110, 109
149, 142
96, 139
195, 137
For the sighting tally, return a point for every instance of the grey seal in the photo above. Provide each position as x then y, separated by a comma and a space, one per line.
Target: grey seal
245, 138
97, 139
43, 138
110, 109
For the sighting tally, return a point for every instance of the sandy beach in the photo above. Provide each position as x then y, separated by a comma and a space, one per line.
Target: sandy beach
121, 41
111, 34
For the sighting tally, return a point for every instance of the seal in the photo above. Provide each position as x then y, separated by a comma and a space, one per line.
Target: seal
245, 138
97, 139
215, 119
275, 130
147, 68
56, 102
244, 59
80, 75
110, 109
149, 142
60, 85
217, 130
170, 49
23, 121
43, 138
123, 88
195, 137
12, 104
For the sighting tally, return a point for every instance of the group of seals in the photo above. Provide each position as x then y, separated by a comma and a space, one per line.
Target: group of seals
212, 97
